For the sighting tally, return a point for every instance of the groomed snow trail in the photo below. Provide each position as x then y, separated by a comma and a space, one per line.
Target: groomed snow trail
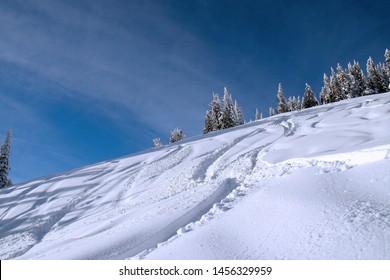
312, 184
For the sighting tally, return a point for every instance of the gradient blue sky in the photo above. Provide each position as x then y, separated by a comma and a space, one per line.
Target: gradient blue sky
86, 81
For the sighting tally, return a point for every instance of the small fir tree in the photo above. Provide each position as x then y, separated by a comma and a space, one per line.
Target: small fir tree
384, 78
258, 116
357, 78
271, 111
239, 116
325, 91
176, 135
156, 142
299, 103
213, 116
309, 98
387, 62
375, 83
216, 113
344, 81
208, 123
4, 161
228, 118
335, 93
282, 103
293, 104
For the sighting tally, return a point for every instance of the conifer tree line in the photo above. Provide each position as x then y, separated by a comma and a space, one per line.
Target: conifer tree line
342, 84
222, 116
4, 161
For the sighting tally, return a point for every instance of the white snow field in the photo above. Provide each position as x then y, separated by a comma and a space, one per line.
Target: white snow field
312, 184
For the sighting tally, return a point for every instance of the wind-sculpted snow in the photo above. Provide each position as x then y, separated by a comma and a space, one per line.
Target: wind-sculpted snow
312, 184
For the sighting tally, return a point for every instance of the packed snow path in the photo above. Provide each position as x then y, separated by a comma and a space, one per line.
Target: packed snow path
312, 184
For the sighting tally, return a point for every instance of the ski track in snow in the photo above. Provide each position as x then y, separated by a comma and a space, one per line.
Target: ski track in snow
324, 165
202, 179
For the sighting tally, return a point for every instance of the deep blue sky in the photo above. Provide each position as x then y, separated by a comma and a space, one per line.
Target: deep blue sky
85, 81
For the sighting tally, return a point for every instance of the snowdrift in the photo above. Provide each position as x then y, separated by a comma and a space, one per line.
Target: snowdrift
312, 184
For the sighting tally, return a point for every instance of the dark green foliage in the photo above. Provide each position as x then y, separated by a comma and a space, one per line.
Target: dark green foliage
309, 99
282, 103
4, 161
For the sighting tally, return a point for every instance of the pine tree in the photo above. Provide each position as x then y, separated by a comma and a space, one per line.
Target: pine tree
156, 142
208, 123
216, 113
228, 116
238, 114
213, 116
344, 82
290, 104
176, 135
258, 116
387, 61
334, 88
293, 104
384, 78
271, 111
357, 78
309, 99
282, 103
299, 103
371, 74
4, 161
325, 91
375, 83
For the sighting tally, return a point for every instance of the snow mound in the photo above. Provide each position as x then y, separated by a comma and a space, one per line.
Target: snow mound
312, 184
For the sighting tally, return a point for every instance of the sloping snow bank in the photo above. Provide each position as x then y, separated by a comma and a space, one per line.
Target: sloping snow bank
309, 184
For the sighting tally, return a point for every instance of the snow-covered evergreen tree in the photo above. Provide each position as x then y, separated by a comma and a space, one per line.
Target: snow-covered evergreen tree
299, 103
176, 135
325, 91
228, 115
309, 98
335, 93
282, 103
156, 142
344, 81
208, 123
213, 116
375, 83
293, 104
387, 62
239, 116
258, 116
382, 71
4, 161
357, 79
216, 113
271, 111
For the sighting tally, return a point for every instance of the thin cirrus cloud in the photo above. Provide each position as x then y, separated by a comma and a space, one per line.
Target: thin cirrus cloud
90, 55
57, 58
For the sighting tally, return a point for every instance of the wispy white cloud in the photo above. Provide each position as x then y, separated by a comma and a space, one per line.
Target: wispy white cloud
35, 144
94, 55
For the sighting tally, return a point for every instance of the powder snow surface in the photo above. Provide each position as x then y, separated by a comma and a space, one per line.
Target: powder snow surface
312, 184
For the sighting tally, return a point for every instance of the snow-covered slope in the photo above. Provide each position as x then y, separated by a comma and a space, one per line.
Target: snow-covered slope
313, 184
